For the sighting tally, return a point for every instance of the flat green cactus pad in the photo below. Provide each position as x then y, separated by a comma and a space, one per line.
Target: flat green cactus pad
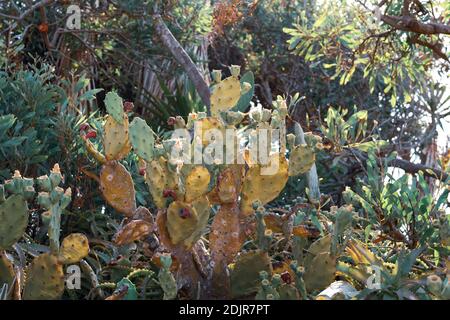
288, 292
245, 279
13, 220
320, 272
114, 106
45, 279
142, 139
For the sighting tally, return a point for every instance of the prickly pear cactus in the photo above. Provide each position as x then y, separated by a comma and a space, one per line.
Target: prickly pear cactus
166, 279
74, 248
262, 186
54, 199
319, 273
117, 188
132, 231
114, 106
14, 220
14, 210
244, 100
142, 138
45, 279
204, 126
186, 221
115, 138
159, 178
301, 159
197, 183
226, 93
244, 276
225, 237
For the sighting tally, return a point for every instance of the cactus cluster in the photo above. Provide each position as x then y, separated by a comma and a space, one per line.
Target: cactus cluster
186, 194
213, 235
44, 277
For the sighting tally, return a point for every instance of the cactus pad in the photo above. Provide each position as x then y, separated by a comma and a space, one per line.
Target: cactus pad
245, 278
320, 272
197, 183
244, 100
288, 292
225, 95
13, 220
202, 126
132, 231
142, 138
114, 106
115, 138
45, 279
74, 248
301, 160
159, 178
117, 188
186, 221
263, 187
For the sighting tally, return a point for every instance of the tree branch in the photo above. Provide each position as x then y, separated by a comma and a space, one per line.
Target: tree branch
410, 24
171, 43
409, 167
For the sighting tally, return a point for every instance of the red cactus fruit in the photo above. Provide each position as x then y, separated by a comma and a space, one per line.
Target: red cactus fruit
286, 277
85, 127
91, 134
142, 171
169, 193
128, 106
185, 213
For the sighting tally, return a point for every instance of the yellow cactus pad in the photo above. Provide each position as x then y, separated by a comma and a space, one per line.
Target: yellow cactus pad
202, 126
115, 138
301, 159
117, 188
158, 178
74, 248
263, 184
197, 183
45, 279
185, 223
203, 208
225, 95
132, 231
180, 228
